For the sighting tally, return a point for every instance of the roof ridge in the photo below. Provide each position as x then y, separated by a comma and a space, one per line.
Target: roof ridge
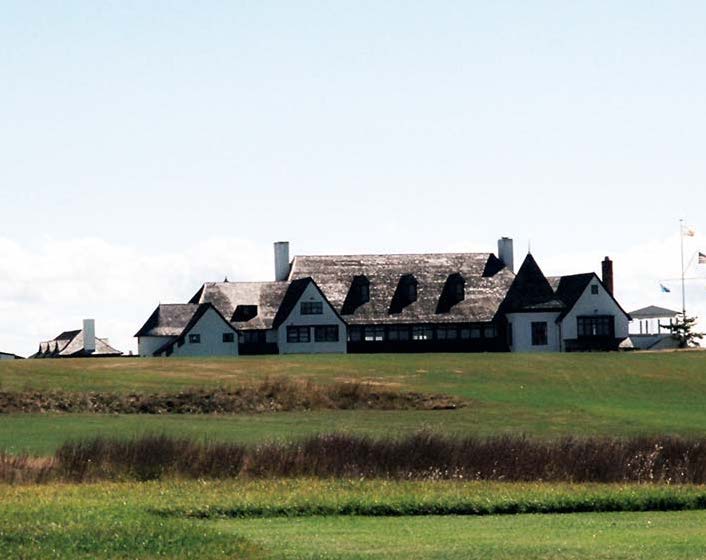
484, 253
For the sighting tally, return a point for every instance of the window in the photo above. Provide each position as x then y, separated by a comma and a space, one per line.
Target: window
252, 337
194, 339
594, 289
422, 332
475, 332
355, 334
374, 334
326, 333
312, 308
597, 325
400, 332
465, 333
228, 337
539, 333
363, 292
446, 333
490, 332
411, 292
298, 334
459, 290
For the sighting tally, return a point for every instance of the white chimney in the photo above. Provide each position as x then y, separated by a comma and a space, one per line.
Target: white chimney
281, 260
89, 335
506, 253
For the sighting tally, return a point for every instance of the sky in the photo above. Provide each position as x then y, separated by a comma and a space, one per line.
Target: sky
146, 148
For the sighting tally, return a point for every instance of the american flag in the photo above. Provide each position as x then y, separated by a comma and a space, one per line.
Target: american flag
702, 258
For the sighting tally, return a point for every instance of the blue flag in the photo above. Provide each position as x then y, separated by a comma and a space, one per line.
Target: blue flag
665, 289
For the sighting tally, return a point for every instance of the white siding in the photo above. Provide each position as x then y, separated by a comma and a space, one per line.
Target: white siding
599, 304
146, 345
328, 317
522, 332
210, 327
650, 326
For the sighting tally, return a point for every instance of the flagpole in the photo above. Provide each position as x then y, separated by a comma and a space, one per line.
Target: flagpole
683, 285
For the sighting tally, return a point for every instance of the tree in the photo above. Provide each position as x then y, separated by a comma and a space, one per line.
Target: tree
683, 330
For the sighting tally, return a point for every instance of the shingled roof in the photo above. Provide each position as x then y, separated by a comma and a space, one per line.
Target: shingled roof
169, 319
70, 344
486, 283
227, 296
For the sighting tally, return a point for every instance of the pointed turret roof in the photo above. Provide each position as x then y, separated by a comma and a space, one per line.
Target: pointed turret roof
531, 291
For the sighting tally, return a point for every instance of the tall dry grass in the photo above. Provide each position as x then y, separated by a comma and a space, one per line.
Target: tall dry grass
420, 456
271, 395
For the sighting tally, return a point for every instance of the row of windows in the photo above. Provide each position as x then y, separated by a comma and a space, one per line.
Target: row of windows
395, 333
322, 333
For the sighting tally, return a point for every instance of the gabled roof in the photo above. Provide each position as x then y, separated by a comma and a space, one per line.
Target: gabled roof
654, 312
486, 283
195, 318
531, 291
293, 295
570, 288
168, 319
70, 344
227, 296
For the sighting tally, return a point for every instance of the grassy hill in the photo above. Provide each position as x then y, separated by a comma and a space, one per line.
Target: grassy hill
543, 395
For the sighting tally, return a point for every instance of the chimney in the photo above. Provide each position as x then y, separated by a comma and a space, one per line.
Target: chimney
281, 260
89, 335
505, 253
608, 274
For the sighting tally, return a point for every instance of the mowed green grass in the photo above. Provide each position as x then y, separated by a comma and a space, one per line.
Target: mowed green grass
635, 536
185, 520
540, 395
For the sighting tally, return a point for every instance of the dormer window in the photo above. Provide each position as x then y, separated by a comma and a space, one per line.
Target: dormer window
364, 292
454, 291
358, 294
405, 294
244, 313
411, 291
458, 289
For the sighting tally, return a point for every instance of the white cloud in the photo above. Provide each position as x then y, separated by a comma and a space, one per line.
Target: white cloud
49, 289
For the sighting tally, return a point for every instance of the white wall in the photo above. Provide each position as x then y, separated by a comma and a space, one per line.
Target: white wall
328, 317
599, 304
146, 345
649, 326
211, 328
522, 332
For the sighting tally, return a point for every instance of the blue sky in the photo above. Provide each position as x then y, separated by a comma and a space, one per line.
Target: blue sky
195, 134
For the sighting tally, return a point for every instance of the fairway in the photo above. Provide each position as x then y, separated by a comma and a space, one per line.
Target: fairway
635, 536
543, 396
190, 520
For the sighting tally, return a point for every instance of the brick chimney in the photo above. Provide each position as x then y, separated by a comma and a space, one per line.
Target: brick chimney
608, 274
